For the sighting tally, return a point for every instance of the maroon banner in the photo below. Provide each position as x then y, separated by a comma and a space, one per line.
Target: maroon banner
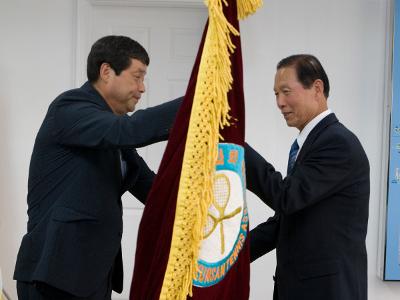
226, 281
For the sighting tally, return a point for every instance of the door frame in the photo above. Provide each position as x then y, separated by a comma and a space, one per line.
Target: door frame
84, 17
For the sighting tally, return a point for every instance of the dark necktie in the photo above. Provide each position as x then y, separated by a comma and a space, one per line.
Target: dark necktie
292, 156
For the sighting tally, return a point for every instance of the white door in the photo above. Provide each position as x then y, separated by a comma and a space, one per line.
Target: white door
171, 34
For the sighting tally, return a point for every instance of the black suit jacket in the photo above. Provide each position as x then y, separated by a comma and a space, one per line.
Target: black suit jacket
75, 185
321, 219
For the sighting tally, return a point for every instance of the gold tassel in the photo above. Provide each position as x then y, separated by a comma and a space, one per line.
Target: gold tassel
247, 7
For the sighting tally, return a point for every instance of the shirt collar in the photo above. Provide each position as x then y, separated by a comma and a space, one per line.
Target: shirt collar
310, 126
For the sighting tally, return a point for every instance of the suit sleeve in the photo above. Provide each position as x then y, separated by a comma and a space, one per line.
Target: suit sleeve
264, 237
144, 179
84, 123
324, 171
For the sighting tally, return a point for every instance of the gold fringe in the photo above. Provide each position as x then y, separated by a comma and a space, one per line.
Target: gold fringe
247, 7
209, 114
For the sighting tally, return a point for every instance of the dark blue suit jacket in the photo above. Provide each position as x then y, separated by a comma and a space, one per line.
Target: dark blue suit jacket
75, 185
321, 219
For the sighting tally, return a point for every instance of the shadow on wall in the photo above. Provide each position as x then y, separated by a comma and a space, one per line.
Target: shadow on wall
4, 296
9, 227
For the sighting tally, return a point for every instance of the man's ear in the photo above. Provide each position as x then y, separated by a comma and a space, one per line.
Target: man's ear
319, 87
105, 72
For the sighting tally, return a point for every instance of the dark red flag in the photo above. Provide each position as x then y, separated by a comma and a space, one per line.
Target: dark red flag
195, 224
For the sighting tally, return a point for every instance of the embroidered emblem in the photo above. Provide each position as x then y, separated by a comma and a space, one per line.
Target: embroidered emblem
227, 223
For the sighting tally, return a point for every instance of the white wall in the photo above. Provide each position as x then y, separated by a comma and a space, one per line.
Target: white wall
349, 37
36, 39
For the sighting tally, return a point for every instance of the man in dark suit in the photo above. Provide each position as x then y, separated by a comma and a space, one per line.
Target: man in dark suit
83, 160
321, 206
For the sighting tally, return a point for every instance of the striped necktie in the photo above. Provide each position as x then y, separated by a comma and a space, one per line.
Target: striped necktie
292, 156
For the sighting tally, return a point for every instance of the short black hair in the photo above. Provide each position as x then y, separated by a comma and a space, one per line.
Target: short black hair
117, 51
308, 69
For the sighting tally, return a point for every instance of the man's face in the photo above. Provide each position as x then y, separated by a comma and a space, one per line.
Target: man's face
297, 104
125, 90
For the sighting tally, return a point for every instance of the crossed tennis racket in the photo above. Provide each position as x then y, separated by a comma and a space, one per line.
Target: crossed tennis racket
222, 192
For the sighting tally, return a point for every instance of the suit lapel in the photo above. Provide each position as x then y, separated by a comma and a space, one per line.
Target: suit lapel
132, 169
118, 165
314, 134
127, 154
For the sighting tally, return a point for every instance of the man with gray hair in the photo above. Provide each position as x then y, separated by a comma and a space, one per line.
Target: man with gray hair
321, 206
